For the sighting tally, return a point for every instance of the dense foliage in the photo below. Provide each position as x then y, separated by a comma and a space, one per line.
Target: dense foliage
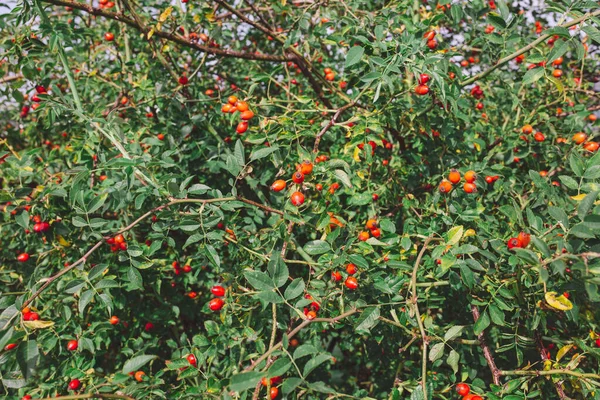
357, 199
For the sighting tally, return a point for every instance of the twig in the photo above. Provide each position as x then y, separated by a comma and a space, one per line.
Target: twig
486, 350
540, 346
167, 35
550, 372
330, 124
91, 396
415, 307
295, 331
525, 49
11, 78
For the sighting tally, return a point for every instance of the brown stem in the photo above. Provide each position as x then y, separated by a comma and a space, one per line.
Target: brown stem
558, 385
415, 307
11, 78
92, 396
167, 35
329, 125
255, 204
487, 353
525, 49
295, 331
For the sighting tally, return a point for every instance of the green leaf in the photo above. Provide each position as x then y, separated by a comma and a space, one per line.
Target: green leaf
305, 350
577, 164
259, 280
23, 219
294, 289
560, 215
277, 269
586, 204
368, 318
533, 75
239, 152
354, 55
592, 32
482, 323
279, 367
96, 203
314, 363
343, 177
454, 235
135, 278
213, 256
27, 356
269, 296
316, 247
453, 332
527, 255
436, 352
85, 299
136, 363
244, 381
453, 359
262, 153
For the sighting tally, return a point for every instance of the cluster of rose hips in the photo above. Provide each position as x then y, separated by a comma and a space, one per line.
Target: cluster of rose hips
29, 315
117, 243
36, 101
274, 381
106, 4
297, 198
422, 89
40, 226
528, 130
233, 105
373, 227
477, 92
313, 308
217, 303
430, 37
178, 269
581, 138
329, 74
351, 282
521, 241
454, 177
465, 391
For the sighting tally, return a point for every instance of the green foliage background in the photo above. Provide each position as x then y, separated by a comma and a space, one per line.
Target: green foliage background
92, 165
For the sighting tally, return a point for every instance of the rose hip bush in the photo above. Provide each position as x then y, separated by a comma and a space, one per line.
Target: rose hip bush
342, 199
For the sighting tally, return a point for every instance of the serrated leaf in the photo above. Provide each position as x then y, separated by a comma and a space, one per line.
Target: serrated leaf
262, 153
354, 55
436, 352
454, 235
259, 280
85, 299
136, 363
343, 177
294, 289
314, 363
368, 318
244, 381
317, 247
482, 323
533, 75
453, 332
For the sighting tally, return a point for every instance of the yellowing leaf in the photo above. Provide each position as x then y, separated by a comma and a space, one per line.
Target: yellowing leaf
165, 14
356, 154
39, 324
454, 235
558, 302
470, 232
563, 350
62, 241
150, 33
579, 197
477, 146
547, 365
209, 16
